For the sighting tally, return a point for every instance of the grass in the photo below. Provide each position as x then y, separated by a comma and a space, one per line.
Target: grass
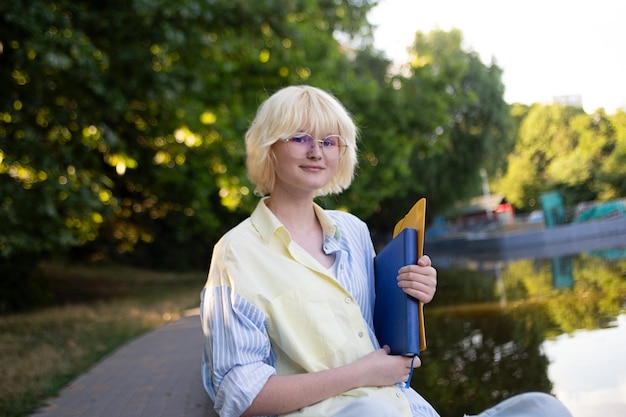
100, 309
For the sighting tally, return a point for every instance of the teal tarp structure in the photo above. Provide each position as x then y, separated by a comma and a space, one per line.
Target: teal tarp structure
553, 209
602, 211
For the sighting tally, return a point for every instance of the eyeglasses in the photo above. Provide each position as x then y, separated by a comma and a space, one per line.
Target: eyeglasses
333, 146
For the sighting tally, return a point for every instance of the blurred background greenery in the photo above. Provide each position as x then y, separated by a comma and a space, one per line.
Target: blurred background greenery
122, 122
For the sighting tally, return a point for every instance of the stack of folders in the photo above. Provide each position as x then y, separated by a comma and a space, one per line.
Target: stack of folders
398, 317
396, 314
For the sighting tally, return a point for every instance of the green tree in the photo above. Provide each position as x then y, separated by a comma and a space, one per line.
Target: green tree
564, 148
120, 132
455, 122
122, 138
611, 173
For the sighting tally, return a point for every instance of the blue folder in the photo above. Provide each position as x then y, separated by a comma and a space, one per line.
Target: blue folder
396, 314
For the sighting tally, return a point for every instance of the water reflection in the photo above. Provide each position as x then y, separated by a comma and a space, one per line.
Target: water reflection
562, 274
499, 328
589, 371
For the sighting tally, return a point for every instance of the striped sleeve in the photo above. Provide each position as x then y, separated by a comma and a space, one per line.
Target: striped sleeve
237, 359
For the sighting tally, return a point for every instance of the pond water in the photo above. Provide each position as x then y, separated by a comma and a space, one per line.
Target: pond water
556, 325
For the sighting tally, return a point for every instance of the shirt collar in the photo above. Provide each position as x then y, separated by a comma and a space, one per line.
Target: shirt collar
268, 224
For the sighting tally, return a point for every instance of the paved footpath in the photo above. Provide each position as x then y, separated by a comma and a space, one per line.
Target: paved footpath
155, 375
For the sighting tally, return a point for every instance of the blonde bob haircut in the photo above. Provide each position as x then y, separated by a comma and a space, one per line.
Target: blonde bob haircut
298, 109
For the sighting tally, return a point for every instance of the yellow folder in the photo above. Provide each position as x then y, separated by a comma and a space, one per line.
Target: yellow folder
416, 219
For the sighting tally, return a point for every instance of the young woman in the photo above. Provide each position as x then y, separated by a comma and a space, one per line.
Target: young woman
287, 307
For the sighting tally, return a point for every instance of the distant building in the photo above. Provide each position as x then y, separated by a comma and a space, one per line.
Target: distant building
484, 209
574, 100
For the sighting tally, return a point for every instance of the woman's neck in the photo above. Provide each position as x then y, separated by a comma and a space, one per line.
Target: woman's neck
299, 218
297, 215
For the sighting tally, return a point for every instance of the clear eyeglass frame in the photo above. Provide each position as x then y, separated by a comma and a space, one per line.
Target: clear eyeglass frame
299, 145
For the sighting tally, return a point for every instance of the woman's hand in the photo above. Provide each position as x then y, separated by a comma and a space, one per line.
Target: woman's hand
380, 369
419, 281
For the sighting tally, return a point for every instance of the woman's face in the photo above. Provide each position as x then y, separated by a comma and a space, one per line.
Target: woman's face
302, 173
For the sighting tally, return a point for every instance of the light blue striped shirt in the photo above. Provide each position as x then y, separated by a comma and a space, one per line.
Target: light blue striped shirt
239, 353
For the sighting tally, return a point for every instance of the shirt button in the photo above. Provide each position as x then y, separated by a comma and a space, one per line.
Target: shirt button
348, 300
360, 334
398, 395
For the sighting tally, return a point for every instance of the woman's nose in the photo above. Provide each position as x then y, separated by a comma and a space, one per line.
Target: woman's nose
316, 150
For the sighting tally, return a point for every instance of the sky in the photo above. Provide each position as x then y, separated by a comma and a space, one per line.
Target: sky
546, 48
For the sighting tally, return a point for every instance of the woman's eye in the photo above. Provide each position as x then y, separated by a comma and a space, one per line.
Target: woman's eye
300, 139
330, 142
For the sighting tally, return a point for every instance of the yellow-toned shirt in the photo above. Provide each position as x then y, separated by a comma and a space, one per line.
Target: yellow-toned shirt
269, 307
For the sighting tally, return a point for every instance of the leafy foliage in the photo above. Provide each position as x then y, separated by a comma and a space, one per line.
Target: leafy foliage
564, 148
122, 123
455, 122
